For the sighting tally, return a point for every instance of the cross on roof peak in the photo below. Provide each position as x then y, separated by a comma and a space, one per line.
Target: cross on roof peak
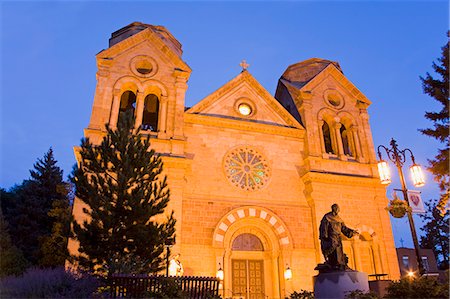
244, 65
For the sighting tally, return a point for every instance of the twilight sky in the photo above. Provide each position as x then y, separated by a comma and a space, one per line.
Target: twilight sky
48, 64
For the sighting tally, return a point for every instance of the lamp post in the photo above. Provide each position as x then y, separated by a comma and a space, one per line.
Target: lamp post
398, 157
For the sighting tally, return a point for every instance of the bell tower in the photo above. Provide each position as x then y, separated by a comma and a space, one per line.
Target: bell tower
142, 71
332, 109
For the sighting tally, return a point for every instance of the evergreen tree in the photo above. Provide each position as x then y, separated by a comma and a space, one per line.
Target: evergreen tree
12, 261
436, 228
122, 185
54, 250
27, 213
438, 88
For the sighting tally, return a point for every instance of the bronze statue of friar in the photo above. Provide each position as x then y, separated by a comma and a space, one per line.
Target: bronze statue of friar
331, 228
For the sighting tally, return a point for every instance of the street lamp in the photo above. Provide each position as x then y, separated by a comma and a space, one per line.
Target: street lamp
398, 157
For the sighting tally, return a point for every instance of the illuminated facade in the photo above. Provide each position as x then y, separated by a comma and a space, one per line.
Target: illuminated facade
251, 174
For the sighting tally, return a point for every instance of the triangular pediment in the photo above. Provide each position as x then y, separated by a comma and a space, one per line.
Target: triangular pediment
331, 72
245, 89
145, 38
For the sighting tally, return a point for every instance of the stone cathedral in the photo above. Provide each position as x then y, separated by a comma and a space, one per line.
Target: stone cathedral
251, 174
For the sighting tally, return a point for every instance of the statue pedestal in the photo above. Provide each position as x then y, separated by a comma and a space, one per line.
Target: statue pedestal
335, 285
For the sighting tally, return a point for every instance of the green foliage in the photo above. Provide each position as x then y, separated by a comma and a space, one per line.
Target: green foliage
438, 88
27, 208
54, 247
121, 183
301, 295
436, 229
358, 294
12, 261
48, 283
422, 287
170, 290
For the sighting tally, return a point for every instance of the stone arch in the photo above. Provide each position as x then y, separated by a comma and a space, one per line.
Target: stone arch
155, 87
326, 114
222, 231
128, 83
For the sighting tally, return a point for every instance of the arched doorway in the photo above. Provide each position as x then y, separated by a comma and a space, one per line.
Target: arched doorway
252, 244
247, 267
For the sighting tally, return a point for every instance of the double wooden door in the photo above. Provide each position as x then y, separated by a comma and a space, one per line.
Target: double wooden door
248, 279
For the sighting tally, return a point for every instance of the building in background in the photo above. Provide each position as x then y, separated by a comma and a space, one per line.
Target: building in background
251, 174
407, 262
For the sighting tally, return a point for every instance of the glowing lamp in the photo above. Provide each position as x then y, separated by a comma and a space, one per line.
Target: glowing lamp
219, 273
417, 175
383, 170
288, 273
410, 274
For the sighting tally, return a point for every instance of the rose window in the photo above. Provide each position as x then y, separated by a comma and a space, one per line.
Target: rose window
246, 168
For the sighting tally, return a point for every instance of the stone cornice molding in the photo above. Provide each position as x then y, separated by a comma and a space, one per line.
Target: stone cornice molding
318, 176
243, 125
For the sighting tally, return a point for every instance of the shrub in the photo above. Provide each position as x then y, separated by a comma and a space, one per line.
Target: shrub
422, 287
48, 283
358, 294
301, 295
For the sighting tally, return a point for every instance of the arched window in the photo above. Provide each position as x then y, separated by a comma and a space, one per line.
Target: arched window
247, 242
150, 114
127, 102
345, 141
327, 139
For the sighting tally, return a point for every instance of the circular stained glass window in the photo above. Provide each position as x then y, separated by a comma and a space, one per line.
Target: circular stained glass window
246, 168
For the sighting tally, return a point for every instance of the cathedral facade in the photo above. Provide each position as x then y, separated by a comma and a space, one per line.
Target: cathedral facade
251, 174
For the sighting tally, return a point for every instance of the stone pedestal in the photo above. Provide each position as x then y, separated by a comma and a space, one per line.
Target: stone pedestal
335, 285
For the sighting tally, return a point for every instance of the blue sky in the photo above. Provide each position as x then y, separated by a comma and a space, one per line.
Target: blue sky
48, 63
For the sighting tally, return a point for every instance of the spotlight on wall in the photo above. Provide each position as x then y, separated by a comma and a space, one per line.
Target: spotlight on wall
287, 273
219, 273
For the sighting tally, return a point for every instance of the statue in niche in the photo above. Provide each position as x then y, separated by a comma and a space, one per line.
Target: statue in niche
330, 230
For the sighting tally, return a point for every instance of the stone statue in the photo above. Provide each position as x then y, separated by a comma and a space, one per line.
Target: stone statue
331, 227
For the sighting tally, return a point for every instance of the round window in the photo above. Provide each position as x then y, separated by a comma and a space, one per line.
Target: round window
246, 168
143, 66
245, 109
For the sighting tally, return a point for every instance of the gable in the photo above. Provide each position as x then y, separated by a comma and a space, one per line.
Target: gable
243, 91
335, 78
146, 36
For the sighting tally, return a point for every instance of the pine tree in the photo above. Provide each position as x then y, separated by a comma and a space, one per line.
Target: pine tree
438, 88
54, 250
27, 214
12, 261
436, 236
121, 183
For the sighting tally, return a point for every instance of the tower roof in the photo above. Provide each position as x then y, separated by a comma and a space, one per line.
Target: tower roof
136, 27
299, 74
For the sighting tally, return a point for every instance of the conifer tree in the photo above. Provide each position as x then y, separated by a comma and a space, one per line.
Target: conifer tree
12, 261
54, 250
121, 183
438, 88
436, 228
27, 214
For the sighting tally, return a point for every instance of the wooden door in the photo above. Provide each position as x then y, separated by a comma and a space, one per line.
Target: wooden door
248, 279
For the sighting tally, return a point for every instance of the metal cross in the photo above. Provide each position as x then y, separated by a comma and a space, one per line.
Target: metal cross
244, 65
401, 241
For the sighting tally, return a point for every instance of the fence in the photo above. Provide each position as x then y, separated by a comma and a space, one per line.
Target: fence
141, 285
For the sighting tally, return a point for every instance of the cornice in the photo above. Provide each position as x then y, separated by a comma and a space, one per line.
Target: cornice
243, 125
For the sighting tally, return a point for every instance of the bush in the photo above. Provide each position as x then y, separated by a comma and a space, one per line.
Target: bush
422, 287
48, 283
358, 294
301, 295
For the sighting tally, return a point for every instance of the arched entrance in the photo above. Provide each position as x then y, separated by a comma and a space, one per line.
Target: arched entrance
252, 244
